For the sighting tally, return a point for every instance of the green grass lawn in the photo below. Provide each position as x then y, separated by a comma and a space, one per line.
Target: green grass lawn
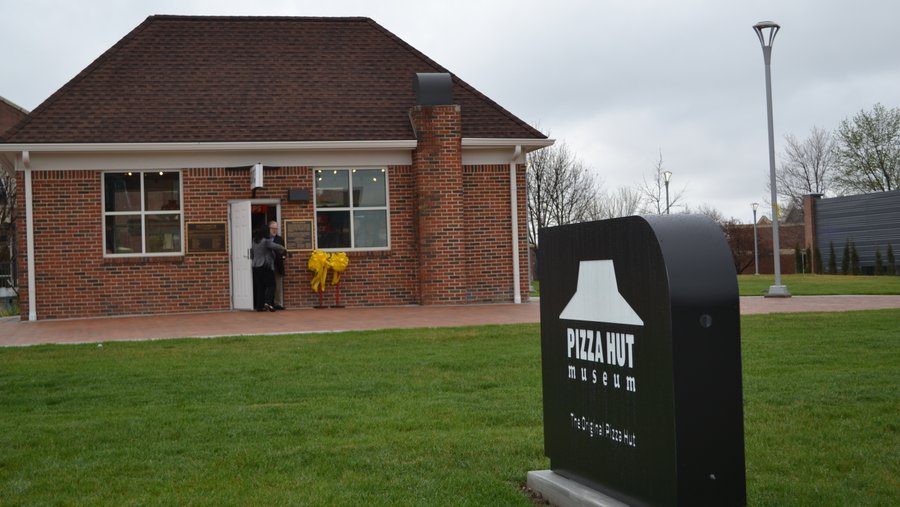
535, 288
410, 417
822, 408
820, 285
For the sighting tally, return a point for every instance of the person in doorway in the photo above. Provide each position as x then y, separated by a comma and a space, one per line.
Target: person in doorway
279, 265
262, 253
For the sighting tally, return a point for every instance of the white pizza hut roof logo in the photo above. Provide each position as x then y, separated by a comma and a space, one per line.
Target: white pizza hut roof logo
597, 297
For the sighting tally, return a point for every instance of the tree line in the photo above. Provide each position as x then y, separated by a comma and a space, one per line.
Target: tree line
561, 190
861, 156
849, 261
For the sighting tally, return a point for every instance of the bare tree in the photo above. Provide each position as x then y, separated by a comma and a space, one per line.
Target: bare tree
622, 202
654, 192
7, 196
740, 241
561, 189
807, 167
738, 236
868, 151
710, 211
7, 228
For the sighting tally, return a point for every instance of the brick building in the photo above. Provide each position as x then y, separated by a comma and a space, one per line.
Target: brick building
144, 175
740, 239
10, 115
871, 222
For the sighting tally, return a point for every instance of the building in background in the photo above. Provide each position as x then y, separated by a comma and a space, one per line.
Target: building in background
148, 171
870, 221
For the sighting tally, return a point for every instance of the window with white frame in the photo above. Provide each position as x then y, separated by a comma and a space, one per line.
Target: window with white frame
351, 209
142, 213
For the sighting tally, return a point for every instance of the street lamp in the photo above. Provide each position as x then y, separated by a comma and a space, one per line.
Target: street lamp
667, 175
766, 31
755, 251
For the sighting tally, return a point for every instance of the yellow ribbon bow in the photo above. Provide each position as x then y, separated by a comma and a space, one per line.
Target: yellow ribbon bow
318, 262
339, 262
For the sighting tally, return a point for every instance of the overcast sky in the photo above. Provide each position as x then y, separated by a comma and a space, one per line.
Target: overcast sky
619, 81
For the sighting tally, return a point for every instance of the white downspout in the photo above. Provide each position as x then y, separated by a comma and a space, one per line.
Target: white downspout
514, 205
29, 232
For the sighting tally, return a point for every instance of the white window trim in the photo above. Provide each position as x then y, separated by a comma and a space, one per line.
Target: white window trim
351, 209
143, 212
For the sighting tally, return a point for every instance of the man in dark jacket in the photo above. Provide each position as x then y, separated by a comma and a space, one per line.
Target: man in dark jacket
279, 265
262, 255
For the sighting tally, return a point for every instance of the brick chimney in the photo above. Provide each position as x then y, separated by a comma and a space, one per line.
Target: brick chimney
437, 163
809, 226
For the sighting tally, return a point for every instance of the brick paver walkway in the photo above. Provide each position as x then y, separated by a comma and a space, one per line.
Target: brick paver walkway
15, 332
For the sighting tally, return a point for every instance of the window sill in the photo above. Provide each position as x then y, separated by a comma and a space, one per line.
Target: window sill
369, 254
168, 259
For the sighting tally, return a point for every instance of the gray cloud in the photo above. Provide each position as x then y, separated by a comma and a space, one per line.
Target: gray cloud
618, 81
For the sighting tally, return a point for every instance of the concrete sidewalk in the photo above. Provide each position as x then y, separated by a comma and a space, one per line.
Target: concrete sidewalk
14, 332
235, 323
757, 304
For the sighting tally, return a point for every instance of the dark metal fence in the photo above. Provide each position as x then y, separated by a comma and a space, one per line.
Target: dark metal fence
870, 221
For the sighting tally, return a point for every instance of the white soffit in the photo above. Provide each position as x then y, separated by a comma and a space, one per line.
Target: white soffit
186, 155
99, 156
184, 160
478, 151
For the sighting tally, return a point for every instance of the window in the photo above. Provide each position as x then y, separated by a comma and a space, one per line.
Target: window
142, 213
356, 219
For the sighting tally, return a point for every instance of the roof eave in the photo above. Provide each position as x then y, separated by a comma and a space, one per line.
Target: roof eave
210, 146
527, 144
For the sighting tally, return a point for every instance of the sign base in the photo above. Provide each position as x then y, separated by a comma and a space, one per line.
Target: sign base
778, 291
563, 492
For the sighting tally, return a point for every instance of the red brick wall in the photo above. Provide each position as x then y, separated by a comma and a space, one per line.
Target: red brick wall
73, 279
809, 227
790, 237
21, 261
372, 278
450, 239
488, 227
524, 251
439, 187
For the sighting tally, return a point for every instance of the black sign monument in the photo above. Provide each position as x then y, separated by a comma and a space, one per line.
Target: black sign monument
640, 342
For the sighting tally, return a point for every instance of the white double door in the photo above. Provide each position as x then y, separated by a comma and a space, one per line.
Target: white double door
240, 218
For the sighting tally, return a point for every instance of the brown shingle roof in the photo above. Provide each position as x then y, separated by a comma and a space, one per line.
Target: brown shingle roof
213, 79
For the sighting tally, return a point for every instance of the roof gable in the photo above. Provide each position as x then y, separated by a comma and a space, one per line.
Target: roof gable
240, 79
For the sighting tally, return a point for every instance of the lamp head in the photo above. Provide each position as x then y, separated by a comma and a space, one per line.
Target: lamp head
766, 31
667, 175
754, 205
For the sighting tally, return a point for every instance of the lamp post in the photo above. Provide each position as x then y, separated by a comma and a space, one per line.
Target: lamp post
766, 31
667, 175
755, 251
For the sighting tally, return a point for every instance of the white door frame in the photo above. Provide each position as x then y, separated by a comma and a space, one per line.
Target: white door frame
241, 253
